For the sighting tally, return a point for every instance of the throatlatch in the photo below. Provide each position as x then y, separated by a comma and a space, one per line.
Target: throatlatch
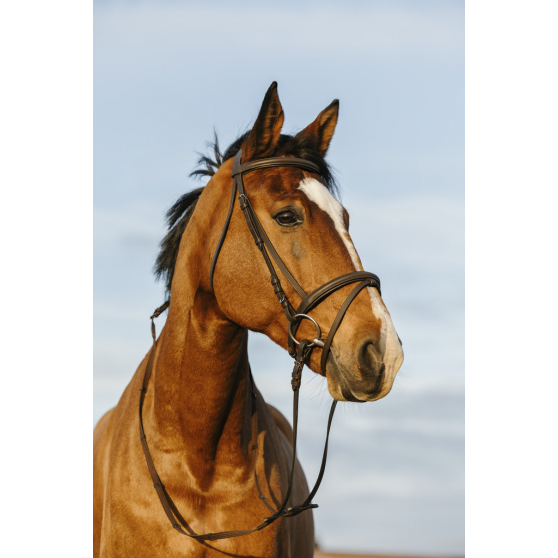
301, 351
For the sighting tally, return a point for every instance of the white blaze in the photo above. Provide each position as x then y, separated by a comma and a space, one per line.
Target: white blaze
390, 346
322, 197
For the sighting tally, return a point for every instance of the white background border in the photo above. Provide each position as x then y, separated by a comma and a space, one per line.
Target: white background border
46, 131
511, 180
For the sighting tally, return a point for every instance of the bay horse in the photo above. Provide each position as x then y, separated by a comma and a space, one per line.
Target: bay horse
195, 387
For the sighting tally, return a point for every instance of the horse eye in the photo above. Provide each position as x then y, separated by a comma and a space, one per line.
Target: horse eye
286, 218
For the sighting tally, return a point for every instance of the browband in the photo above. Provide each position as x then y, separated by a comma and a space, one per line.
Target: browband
273, 162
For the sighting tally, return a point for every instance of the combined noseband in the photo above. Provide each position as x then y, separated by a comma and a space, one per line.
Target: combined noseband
299, 350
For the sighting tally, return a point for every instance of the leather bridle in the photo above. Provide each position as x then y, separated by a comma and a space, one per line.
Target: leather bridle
301, 351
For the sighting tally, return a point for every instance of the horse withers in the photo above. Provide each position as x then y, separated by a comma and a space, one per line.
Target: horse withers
198, 400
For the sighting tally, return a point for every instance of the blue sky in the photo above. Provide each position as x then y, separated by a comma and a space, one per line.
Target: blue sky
166, 73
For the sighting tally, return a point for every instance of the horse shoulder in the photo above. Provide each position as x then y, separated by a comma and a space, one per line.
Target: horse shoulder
113, 460
101, 443
281, 422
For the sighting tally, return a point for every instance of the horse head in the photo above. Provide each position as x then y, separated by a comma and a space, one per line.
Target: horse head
309, 229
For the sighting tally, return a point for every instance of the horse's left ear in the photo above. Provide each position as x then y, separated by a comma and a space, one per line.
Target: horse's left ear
321, 130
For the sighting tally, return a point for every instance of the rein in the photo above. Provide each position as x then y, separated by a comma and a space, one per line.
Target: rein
301, 351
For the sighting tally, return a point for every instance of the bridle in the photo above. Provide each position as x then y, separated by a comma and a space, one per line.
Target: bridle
301, 351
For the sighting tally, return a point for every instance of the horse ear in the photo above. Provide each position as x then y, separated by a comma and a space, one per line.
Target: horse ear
321, 130
263, 138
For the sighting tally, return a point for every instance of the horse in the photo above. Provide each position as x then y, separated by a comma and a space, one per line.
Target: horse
195, 384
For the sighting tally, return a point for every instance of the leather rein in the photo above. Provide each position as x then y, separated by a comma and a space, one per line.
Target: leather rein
301, 351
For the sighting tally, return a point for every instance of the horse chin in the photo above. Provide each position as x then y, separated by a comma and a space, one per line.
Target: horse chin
339, 391
344, 386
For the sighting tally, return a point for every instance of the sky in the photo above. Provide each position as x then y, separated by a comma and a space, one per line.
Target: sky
165, 75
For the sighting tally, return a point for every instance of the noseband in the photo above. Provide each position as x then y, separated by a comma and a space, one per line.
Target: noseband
301, 351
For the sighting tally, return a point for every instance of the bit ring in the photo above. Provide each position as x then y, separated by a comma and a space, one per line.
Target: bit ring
317, 341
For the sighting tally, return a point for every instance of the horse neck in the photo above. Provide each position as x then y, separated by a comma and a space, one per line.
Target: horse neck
201, 403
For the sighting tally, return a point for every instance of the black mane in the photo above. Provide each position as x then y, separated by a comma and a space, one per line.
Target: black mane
178, 216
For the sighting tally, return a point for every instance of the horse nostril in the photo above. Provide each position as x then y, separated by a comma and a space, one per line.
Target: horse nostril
368, 358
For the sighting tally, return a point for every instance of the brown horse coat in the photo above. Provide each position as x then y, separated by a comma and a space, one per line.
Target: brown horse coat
197, 410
